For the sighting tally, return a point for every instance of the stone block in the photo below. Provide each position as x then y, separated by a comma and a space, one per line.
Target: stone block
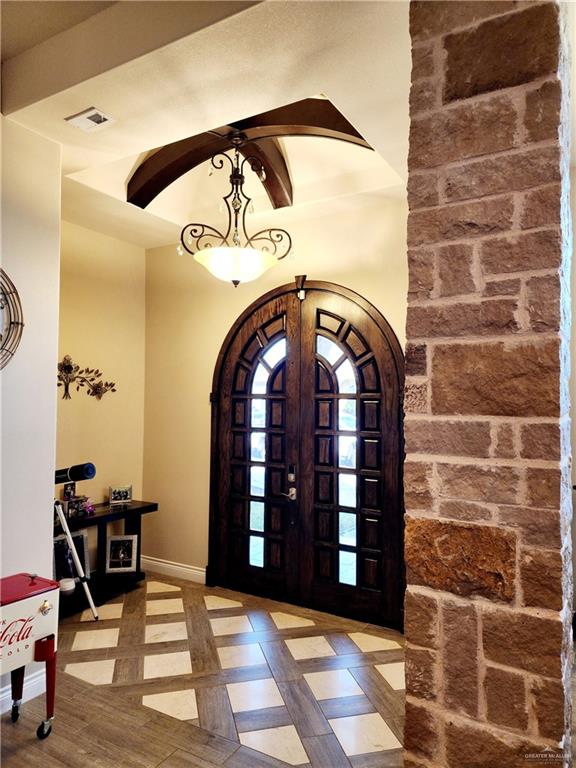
523, 640
421, 673
417, 485
460, 658
532, 250
492, 317
432, 19
460, 558
473, 482
423, 96
455, 270
506, 698
513, 379
541, 207
451, 438
420, 731
502, 288
467, 511
422, 61
505, 173
542, 115
540, 527
415, 360
422, 190
504, 448
502, 52
465, 131
421, 622
540, 441
416, 397
420, 273
543, 300
548, 705
474, 746
543, 487
459, 222
541, 578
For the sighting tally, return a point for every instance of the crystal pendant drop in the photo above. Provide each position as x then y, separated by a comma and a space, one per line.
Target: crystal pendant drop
251, 207
180, 250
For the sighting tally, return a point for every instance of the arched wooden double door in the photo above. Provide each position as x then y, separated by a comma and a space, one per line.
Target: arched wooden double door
306, 490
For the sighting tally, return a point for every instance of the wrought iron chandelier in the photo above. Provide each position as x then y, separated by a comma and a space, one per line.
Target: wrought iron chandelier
235, 255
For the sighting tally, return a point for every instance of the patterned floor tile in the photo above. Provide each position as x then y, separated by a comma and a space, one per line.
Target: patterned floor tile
309, 647
231, 625
160, 607
179, 704
368, 643
94, 672
254, 694
282, 743
214, 603
153, 587
108, 611
361, 734
289, 620
167, 665
162, 633
248, 655
333, 684
95, 638
394, 674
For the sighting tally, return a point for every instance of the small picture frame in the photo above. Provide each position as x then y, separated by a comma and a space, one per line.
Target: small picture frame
120, 494
69, 491
121, 553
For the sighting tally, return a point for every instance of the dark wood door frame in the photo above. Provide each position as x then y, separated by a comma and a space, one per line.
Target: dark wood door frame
216, 570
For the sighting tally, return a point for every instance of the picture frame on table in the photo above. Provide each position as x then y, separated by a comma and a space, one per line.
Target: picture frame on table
63, 565
69, 491
121, 553
120, 494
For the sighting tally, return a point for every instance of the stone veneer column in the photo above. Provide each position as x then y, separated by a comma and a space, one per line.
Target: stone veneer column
487, 485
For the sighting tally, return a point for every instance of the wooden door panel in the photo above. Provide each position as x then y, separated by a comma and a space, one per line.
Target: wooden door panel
330, 411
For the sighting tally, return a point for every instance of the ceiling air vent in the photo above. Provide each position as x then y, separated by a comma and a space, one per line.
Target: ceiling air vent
90, 119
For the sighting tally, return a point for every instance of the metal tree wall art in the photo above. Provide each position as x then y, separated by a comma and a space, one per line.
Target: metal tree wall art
89, 379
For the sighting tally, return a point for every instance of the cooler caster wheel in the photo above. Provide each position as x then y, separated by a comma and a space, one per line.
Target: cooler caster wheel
15, 713
44, 730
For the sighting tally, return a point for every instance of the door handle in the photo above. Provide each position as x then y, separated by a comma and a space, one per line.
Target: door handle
291, 495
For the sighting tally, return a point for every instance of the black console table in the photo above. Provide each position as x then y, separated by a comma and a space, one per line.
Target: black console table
104, 585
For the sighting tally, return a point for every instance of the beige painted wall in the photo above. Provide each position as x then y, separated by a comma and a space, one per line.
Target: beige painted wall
30, 256
188, 315
102, 325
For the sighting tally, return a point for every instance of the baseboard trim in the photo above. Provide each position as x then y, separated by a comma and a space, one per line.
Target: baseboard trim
178, 570
34, 685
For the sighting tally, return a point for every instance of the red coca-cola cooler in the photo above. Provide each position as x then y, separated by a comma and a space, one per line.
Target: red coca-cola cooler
29, 632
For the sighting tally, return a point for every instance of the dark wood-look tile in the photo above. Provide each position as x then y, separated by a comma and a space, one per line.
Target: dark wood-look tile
130, 744
129, 669
181, 759
250, 758
261, 620
387, 703
325, 752
215, 713
195, 741
202, 648
281, 662
346, 706
259, 719
304, 709
342, 644
392, 758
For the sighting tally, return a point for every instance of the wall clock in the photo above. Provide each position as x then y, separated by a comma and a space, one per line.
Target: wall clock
11, 319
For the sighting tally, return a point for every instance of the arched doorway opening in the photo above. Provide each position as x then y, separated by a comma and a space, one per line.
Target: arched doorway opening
306, 486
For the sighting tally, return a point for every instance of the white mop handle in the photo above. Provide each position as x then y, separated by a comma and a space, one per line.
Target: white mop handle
77, 563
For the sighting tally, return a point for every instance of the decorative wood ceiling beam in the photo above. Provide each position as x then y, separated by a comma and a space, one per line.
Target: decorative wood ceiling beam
310, 117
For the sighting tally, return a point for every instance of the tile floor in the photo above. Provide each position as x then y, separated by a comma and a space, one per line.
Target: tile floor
295, 686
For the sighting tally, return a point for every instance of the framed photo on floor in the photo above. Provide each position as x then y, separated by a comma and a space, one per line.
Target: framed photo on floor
121, 553
64, 567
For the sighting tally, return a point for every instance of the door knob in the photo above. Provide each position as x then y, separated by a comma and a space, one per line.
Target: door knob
291, 495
